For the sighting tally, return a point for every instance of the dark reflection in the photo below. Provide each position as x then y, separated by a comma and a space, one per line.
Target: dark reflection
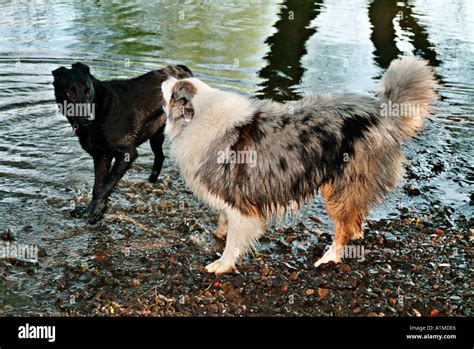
423, 47
381, 15
287, 46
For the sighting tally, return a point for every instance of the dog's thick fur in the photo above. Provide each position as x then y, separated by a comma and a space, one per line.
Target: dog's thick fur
127, 113
345, 146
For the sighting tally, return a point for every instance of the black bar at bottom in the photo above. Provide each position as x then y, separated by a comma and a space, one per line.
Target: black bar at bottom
314, 332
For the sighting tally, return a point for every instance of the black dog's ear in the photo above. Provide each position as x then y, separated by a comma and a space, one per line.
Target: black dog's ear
185, 69
57, 73
177, 71
82, 67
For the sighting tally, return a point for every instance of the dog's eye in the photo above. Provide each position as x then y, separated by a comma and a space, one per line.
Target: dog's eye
87, 91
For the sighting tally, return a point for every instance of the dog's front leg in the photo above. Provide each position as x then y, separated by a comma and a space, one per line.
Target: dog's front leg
222, 226
243, 234
121, 165
101, 170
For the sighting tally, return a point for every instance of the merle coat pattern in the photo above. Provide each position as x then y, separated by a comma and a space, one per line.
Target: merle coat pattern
345, 146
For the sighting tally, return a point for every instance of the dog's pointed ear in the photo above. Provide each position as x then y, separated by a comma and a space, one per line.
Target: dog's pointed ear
58, 72
188, 111
181, 108
181, 105
82, 67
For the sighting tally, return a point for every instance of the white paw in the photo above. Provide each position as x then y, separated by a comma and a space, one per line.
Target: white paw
219, 267
331, 255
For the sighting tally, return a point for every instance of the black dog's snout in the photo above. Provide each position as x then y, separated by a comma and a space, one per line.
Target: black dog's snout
75, 92
72, 93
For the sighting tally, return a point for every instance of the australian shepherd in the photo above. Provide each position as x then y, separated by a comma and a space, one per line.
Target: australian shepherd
254, 160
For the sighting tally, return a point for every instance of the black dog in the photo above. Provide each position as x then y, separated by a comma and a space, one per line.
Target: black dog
111, 119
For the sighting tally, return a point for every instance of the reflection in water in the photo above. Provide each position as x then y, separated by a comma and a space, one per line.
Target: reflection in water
423, 47
383, 14
287, 46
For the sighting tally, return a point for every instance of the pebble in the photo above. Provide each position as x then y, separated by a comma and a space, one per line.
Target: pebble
315, 219
323, 293
293, 276
7, 236
155, 276
389, 237
265, 271
345, 267
227, 287
238, 281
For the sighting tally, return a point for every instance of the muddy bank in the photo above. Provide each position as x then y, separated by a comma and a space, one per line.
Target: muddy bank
416, 264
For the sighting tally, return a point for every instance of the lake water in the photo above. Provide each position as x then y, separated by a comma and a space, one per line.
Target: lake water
279, 50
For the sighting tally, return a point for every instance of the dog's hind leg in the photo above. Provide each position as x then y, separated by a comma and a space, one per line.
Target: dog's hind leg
156, 143
347, 209
243, 234
222, 226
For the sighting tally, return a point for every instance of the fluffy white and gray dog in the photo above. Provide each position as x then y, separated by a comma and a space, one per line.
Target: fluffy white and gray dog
254, 160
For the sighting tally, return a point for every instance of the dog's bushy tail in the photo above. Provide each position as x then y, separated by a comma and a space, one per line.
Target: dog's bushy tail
405, 91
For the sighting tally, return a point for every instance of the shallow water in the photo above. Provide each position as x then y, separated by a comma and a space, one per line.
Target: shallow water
279, 50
